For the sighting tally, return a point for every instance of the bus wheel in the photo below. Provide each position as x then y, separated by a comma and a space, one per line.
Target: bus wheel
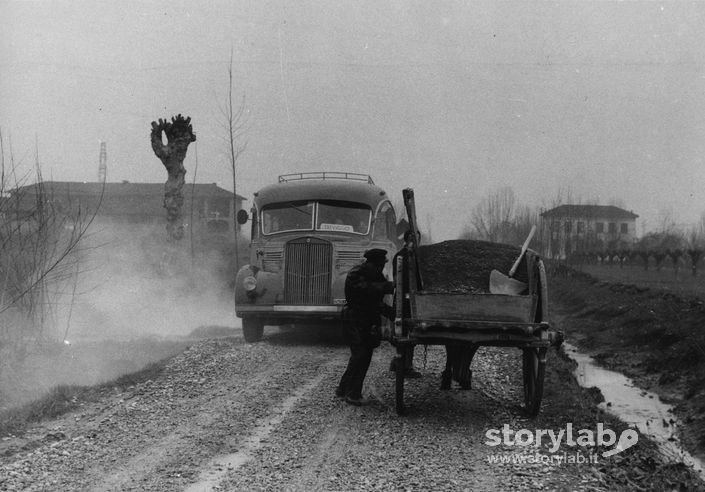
252, 329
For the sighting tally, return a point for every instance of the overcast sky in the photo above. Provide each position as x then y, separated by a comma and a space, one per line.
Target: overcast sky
454, 99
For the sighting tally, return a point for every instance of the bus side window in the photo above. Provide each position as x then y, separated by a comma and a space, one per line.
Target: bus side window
385, 222
391, 224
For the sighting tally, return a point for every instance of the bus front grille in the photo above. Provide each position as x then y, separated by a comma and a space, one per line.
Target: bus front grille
308, 272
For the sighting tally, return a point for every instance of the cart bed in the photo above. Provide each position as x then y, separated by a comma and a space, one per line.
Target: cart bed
473, 307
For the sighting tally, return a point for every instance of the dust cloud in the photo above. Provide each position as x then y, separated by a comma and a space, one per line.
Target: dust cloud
133, 299
133, 283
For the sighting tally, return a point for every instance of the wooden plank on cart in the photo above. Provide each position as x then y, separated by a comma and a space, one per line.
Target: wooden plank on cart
480, 307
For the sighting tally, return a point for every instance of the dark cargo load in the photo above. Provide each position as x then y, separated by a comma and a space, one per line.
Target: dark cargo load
464, 266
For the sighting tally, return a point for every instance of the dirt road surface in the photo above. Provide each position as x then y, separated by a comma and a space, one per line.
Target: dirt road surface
225, 415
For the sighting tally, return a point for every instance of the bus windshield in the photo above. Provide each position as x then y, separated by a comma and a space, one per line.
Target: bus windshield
334, 215
330, 215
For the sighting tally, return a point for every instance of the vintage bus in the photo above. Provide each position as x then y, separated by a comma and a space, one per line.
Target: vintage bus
308, 230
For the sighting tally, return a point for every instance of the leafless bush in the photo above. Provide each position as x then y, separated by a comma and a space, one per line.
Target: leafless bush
39, 256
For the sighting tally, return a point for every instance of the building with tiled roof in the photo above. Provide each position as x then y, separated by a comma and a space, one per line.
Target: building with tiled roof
571, 228
133, 203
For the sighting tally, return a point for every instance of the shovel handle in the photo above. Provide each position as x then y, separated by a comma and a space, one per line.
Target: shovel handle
524, 247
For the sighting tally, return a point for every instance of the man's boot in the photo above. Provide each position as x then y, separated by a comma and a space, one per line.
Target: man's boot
466, 383
445, 380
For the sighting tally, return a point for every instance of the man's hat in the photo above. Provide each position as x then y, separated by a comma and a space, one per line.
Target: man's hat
376, 255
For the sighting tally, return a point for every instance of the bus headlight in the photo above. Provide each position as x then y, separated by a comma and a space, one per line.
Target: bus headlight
249, 283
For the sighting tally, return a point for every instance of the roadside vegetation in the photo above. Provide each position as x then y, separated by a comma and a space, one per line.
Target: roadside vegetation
65, 398
630, 323
68, 273
40, 261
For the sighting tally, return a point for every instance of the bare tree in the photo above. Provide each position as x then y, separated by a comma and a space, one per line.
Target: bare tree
492, 217
667, 221
696, 244
236, 127
524, 218
39, 252
564, 196
179, 135
696, 235
616, 202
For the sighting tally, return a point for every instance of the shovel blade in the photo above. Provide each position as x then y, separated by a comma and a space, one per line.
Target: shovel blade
502, 284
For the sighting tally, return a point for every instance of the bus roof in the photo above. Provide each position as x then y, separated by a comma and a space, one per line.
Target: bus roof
321, 189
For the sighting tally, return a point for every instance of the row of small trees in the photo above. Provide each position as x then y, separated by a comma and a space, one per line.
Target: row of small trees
657, 258
656, 249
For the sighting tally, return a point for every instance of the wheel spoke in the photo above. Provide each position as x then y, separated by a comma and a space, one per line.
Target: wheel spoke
533, 365
399, 396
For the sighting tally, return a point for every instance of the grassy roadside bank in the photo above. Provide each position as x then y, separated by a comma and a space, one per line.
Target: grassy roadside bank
652, 336
638, 468
52, 379
65, 398
39, 368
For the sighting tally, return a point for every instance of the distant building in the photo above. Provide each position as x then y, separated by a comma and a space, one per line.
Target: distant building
578, 228
211, 207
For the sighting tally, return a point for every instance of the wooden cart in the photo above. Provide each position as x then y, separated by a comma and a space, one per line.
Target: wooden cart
464, 322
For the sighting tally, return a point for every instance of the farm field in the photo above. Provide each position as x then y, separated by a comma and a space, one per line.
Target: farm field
684, 284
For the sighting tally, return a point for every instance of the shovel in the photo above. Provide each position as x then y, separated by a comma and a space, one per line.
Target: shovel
505, 284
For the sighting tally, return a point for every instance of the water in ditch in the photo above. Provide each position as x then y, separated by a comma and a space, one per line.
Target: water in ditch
635, 406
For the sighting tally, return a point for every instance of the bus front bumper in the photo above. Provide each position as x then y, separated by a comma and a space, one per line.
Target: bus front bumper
284, 312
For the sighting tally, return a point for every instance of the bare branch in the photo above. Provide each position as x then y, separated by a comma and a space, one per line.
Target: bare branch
236, 128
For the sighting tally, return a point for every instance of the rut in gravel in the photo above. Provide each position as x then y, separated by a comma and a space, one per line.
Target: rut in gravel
214, 399
207, 424
218, 467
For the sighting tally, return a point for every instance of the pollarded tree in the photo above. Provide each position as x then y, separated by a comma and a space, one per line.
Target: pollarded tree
623, 255
633, 256
659, 256
696, 244
675, 255
695, 255
179, 134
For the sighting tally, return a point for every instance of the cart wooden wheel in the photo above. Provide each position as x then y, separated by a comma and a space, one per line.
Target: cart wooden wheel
534, 369
399, 393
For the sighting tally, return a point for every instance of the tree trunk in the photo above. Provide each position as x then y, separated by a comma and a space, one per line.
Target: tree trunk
179, 135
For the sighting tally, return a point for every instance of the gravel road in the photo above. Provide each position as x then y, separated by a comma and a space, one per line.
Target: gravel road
225, 415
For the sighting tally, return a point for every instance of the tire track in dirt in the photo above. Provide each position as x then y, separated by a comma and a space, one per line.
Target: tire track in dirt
216, 469
157, 435
265, 385
326, 445
330, 450
196, 422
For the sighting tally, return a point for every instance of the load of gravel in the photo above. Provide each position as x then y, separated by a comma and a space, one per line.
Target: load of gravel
464, 266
